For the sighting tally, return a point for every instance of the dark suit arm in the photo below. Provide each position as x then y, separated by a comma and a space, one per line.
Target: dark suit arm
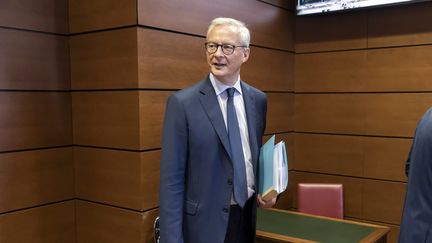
172, 172
408, 161
265, 112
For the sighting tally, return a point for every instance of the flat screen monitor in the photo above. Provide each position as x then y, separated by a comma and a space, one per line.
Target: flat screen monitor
305, 7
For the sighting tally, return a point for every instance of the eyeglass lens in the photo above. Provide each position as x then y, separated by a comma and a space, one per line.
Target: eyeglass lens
227, 49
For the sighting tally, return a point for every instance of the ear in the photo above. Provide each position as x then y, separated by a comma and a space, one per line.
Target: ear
246, 52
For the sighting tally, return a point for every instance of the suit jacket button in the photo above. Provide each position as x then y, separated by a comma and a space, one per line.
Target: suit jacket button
230, 182
225, 210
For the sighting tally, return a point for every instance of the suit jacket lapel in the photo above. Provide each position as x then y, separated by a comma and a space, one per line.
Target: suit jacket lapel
211, 106
249, 102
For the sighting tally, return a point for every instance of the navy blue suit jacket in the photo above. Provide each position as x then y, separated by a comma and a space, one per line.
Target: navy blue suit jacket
416, 225
196, 170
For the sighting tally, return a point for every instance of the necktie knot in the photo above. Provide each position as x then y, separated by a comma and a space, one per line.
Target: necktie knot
230, 92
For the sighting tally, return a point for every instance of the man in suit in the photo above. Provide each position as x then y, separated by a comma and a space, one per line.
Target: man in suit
416, 225
210, 148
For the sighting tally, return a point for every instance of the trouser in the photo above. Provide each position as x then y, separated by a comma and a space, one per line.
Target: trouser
240, 228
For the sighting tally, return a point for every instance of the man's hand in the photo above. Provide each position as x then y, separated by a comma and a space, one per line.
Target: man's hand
265, 204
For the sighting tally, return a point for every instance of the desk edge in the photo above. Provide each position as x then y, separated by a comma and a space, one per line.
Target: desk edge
281, 238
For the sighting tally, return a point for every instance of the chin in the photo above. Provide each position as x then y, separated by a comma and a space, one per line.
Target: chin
218, 73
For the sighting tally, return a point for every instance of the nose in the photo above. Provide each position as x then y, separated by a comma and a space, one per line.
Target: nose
219, 51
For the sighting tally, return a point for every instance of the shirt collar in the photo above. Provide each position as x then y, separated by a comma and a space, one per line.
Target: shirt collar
220, 87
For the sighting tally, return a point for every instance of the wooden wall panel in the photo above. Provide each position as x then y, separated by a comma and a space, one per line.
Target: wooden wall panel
33, 120
42, 15
119, 119
338, 31
104, 60
152, 109
342, 155
36, 164
100, 223
269, 70
395, 114
150, 170
48, 224
385, 158
33, 61
108, 60
329, 113
402, 25
331, 71
390, 69
370, 157
272, 27
170, 60
35, 177
383, 201
122, 178
159, 65
286, 199
365, 114
280, 112
101, 14
399, 69
107, 119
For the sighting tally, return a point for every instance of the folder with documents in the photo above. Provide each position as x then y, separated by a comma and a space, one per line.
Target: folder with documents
273, 169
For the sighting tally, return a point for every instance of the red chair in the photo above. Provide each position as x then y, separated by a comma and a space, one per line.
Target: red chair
320, 199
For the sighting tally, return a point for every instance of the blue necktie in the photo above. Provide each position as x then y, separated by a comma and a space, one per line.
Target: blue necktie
240, 184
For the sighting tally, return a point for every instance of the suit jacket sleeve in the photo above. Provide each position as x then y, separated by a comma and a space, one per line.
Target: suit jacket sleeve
416, 223
172, 172
408, 161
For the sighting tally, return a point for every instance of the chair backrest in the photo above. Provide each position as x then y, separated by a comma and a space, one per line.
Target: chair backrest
320, 199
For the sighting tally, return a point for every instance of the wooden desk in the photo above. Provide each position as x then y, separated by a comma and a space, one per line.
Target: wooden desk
275, 225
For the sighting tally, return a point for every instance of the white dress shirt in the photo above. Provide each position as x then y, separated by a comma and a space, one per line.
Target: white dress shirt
222, 97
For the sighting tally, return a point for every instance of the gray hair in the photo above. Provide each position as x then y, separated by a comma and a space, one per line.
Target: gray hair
239, 26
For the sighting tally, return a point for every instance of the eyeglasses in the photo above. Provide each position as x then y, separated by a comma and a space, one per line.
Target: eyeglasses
227, 49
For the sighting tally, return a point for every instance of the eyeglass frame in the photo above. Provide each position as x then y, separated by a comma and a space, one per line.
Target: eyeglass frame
222, 47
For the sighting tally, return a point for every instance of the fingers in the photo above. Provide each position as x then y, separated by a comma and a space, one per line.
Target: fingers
266, 204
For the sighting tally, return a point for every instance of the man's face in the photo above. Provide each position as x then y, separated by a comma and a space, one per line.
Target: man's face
226, 68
